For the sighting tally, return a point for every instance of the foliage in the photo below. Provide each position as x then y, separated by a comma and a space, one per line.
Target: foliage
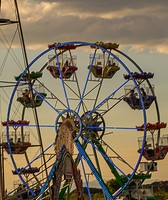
160, 189
98, 196
160, 194
113, 185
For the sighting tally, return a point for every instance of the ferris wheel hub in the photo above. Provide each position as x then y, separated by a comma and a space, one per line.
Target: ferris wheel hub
93, 125
72, 121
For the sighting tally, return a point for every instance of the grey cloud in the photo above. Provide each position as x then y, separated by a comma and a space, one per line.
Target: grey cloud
107, 4
139, 29
141, 22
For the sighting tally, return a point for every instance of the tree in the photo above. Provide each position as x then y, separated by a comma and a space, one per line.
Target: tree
113, 185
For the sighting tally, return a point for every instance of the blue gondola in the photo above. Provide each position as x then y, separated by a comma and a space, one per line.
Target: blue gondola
136, 75
148, 100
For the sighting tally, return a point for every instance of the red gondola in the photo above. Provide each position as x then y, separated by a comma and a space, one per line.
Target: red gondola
65, 47
67, 71
150, 126
157, 153
54, 71
19, 122
17, 148
52, 45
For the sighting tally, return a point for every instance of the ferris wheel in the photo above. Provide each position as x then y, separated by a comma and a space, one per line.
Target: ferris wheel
82, 113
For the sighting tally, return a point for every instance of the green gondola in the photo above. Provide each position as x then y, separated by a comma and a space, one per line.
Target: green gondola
32, 75
38, 100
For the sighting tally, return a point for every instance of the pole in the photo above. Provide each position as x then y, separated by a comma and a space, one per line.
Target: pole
1, 173
1, 161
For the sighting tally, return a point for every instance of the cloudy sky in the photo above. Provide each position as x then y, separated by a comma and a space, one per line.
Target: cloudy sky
133, 23
139, 26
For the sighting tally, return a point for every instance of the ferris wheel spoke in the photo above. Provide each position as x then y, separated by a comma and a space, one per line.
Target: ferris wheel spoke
32, 125
86, 83
49, 178
77, 93
36, 94
106, 99
117, 155
94, 171
33, 160
97, 146
111, 128
62, 80
53, 95
47, 102
86, 180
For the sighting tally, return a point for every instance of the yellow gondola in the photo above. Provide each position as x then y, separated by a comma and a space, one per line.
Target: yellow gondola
104, 72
